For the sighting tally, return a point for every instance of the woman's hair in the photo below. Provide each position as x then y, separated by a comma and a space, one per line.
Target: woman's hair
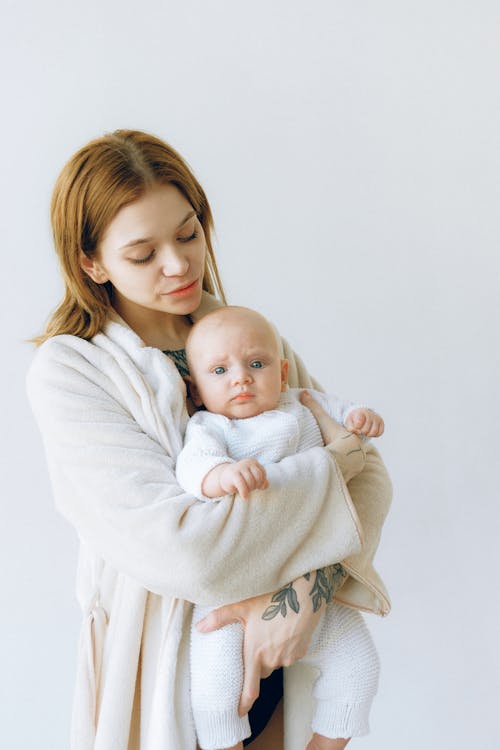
108, 173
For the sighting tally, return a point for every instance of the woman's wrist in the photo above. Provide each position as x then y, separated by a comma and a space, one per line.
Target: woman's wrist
349, 454
211, 486
313, 590
346, 448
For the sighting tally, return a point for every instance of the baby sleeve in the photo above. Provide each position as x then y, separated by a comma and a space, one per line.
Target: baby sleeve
336, 407
204, 448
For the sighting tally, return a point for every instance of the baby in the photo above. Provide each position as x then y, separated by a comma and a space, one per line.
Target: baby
252, 418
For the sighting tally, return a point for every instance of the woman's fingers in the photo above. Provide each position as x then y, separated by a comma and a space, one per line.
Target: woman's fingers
330, 429
217, 618
251, 679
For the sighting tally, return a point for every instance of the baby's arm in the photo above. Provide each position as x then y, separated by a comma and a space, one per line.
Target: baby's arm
241, 477
356, 418
204, 466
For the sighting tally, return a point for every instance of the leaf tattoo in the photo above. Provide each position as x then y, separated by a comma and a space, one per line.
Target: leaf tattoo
327, 581
285, 596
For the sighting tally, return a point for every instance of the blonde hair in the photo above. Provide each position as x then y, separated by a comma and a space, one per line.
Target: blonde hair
108, 173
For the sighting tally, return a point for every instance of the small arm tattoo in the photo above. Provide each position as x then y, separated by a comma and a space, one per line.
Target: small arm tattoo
285, 596
326, 582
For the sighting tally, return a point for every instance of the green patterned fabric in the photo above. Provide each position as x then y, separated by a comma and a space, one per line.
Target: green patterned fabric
178, 357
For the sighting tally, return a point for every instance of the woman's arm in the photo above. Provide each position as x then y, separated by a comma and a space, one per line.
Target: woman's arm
278, 627
117, 486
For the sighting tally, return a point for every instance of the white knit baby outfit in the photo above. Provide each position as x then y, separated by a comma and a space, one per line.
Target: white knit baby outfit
341, 646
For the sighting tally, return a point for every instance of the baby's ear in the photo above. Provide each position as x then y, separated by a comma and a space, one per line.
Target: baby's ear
194, 394
284, 374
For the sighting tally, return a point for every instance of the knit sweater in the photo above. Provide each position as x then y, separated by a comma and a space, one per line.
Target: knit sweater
111, 413
212, 439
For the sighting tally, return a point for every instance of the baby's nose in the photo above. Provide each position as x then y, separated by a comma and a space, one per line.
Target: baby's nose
241, 375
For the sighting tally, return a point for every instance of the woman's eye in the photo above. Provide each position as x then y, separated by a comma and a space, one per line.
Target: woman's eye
190, 238
219, 370
257, 363
143, 260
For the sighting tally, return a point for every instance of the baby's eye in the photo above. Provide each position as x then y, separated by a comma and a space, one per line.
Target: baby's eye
219, 370
256, 363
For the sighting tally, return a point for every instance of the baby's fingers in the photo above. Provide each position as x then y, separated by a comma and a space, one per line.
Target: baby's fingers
356, 422
377, 427
259, 474
241, 486
251, 477
367, 425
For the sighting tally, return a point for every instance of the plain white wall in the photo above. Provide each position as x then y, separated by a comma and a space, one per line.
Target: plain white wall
350, 152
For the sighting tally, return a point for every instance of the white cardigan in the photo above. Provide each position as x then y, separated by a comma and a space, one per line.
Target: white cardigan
212, 439
112, 415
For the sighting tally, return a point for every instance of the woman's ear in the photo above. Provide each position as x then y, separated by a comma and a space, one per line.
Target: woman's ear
193, 391
92, 268
284, 375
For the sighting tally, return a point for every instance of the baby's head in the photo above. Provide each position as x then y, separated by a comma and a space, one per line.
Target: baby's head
235, 365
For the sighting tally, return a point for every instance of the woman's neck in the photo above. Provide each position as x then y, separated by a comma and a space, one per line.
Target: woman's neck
156, 328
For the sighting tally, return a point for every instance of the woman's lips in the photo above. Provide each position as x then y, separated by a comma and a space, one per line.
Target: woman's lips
183, 290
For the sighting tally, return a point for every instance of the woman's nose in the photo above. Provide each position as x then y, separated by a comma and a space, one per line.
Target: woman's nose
174, 262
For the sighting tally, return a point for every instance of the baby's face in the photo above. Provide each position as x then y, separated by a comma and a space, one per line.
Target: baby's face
236, 367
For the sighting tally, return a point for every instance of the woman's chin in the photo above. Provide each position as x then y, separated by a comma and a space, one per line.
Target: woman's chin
186, 305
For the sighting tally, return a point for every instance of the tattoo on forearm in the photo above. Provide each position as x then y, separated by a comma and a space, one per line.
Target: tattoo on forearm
285, 596
326, 582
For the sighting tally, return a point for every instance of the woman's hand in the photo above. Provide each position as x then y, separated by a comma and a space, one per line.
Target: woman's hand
278, 629
347, 448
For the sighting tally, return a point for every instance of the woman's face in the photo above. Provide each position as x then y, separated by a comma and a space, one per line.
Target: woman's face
153, 253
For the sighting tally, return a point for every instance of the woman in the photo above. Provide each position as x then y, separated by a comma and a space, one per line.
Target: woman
132, 228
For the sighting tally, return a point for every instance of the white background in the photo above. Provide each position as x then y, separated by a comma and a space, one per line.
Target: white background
350, 151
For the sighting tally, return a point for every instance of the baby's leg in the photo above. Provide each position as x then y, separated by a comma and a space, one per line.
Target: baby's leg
318, 742
216, 684
343, 650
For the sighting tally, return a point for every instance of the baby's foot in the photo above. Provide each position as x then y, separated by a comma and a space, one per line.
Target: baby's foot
318, 742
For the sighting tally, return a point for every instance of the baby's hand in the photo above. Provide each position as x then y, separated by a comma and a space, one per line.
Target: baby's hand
365, 422
243, 477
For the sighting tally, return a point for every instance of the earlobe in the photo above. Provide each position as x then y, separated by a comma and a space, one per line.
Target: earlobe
284, 375
92, 269
193, 391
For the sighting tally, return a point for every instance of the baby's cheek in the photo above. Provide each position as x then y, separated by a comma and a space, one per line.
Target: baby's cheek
213, 399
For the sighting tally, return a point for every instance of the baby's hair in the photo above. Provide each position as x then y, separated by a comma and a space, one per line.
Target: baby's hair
225, 312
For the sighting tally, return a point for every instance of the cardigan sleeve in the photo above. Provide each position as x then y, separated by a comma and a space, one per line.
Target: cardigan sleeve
204, 449
116, 485
336, 407
371, 493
